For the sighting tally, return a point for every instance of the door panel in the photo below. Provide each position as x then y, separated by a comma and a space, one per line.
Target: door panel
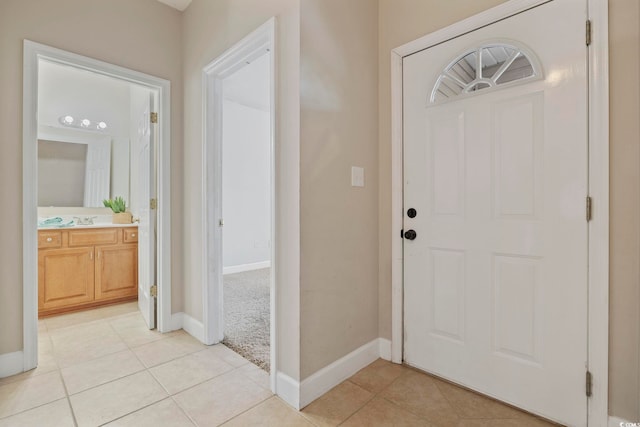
147, 224
495, 283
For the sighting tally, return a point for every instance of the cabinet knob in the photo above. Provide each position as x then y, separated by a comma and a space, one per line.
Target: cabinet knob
49, 239
133, 234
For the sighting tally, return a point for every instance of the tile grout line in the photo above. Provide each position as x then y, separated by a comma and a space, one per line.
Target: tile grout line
374, 395
396, 405
68, 397
248, 409
134, 411
172, 397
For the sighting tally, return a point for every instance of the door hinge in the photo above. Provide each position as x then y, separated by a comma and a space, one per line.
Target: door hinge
588, 35
154, 117
589, 383
153, 204
589, 203
153, 291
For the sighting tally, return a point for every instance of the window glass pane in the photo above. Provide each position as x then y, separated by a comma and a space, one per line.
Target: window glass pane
520, 68
499, 64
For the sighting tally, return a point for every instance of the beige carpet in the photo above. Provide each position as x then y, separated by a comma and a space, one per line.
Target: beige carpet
246, 315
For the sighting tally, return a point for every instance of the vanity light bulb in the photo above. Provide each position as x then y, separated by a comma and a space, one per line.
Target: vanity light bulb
102, 126
86, 123
67, 120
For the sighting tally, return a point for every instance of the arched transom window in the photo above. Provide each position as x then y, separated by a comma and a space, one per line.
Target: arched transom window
484, 67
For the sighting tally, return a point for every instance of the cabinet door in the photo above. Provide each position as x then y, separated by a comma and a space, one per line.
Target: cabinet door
116, 271
65, 277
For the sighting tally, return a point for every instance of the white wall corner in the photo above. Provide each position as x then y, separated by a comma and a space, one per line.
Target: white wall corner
619, 422
385, 348
330, 376
11, 364
288, 390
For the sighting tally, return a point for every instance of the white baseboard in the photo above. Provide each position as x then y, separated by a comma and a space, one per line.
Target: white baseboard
385, 348
619, 422
192, 326
176, 321
246, 267
288, 390
11, 364
330, 376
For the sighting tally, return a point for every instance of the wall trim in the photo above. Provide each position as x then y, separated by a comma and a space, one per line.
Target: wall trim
288, 390
32, 53
11, 364
176, 322
598, 275
300, 394
384, 346
193, 327
330, 376
246, 267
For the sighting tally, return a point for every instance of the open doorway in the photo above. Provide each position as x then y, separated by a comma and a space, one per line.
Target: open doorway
93, 145
246, 210
239, 199
113, 151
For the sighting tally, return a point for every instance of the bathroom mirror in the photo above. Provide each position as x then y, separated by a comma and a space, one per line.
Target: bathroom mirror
81, 169
85, 125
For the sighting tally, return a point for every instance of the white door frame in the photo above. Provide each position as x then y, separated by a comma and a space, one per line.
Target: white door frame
33, 52
247, 49
598, 276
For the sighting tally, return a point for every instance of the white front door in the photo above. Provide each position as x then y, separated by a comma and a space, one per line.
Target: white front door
495, 163
147, 225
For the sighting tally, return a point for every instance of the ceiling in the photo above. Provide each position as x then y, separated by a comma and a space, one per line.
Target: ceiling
181, 5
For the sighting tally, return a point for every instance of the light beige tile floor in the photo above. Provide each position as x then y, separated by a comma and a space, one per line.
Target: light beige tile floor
104, 367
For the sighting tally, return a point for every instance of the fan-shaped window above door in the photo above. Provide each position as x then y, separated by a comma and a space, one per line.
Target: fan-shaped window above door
486, 67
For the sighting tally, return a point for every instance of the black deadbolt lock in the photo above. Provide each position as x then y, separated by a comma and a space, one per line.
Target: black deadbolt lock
411, 213
410, 234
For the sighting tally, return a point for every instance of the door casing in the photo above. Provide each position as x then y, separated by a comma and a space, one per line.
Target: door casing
598, 227
33, 52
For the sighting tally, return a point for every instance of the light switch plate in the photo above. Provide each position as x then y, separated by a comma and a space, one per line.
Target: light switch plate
357, 176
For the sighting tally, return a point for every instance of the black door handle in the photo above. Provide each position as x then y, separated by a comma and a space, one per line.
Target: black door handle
410, 234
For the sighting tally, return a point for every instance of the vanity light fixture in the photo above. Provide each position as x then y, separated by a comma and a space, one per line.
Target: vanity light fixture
66, 120
69, 121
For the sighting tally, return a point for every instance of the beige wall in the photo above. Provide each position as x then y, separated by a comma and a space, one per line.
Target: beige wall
404, 20
143, 35
624, 339
339, 224
210, 28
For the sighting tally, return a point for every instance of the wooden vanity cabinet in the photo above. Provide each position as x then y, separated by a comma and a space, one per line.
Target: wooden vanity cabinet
82, 268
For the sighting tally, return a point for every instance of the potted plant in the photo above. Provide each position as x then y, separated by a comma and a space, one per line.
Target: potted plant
119, 208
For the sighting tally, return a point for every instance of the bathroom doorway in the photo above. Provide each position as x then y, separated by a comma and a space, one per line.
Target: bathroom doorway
93, 131
93, 145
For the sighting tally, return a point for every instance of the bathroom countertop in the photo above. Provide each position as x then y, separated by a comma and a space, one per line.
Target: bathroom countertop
97, 225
